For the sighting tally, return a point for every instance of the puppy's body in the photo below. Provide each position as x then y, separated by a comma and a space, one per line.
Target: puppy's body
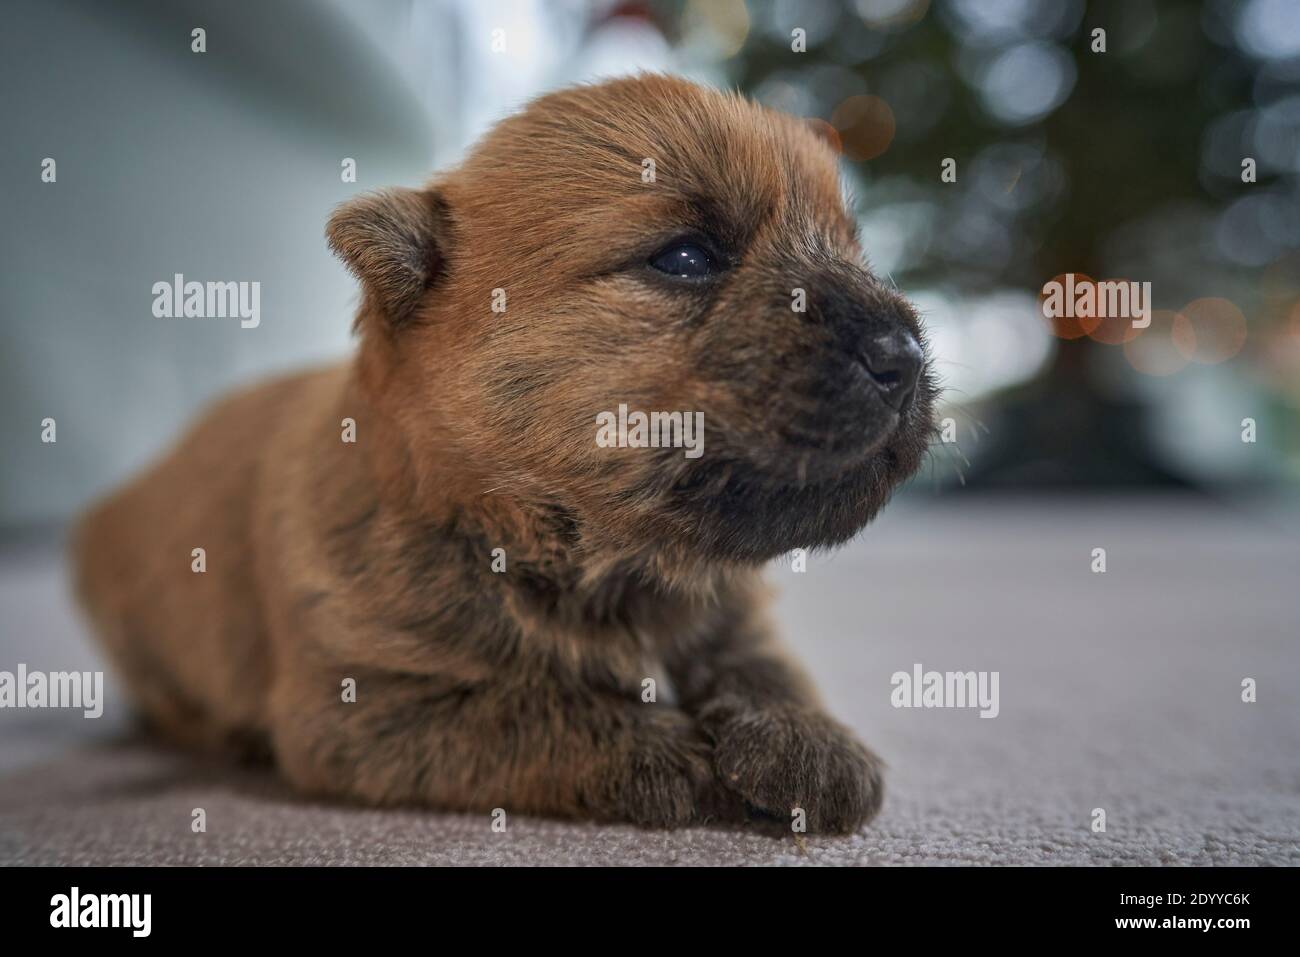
474, 689
479, 687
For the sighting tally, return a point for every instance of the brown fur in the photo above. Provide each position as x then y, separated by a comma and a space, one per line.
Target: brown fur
475, 430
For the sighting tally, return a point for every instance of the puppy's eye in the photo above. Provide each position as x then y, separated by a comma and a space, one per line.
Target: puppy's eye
685, 261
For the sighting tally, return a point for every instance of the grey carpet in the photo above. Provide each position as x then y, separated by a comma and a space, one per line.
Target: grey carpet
1118, 691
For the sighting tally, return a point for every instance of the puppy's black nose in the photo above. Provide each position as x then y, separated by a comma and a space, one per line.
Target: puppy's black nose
893, 362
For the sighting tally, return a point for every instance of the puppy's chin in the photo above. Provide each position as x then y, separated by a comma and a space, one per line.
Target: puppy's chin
813, 457
733, 508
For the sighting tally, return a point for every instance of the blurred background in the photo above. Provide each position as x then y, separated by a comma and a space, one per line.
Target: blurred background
1125, 163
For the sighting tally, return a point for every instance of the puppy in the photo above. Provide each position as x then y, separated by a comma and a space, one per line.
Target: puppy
424, 580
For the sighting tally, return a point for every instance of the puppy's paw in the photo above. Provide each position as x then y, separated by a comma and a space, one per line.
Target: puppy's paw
666, 778
779, 759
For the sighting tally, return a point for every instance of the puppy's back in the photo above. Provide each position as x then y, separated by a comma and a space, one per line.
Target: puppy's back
189, 644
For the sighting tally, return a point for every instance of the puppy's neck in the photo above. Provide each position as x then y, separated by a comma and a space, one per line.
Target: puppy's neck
544, 545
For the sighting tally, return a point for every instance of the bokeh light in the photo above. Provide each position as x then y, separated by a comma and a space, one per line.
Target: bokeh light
1154, 353
865, 125
890, 14
1269, 29
1066, 326
1024, 83
1209, 330
986, 344
827, 132
1114, 330
722, 25
983, 23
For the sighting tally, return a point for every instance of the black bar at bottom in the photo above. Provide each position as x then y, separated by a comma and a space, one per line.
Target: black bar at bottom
213, 906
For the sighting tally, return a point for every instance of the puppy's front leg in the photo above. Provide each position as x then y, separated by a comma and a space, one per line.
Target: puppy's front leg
774, 745
537, 748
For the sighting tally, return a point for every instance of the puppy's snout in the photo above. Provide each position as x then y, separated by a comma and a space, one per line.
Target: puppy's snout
893, 364
874, 334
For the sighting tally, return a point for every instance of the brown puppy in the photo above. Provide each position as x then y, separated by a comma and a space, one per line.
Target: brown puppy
516, 678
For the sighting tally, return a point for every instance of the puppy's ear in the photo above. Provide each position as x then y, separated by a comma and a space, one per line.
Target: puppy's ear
395, 242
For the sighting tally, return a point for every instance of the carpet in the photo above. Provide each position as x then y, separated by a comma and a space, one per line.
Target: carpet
1119, 691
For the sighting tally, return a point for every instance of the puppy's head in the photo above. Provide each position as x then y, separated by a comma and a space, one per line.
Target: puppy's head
651, 244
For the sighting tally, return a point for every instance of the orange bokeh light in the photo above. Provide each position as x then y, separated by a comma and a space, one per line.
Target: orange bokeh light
1115, 330
827, 132
865, 125
1067, 327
